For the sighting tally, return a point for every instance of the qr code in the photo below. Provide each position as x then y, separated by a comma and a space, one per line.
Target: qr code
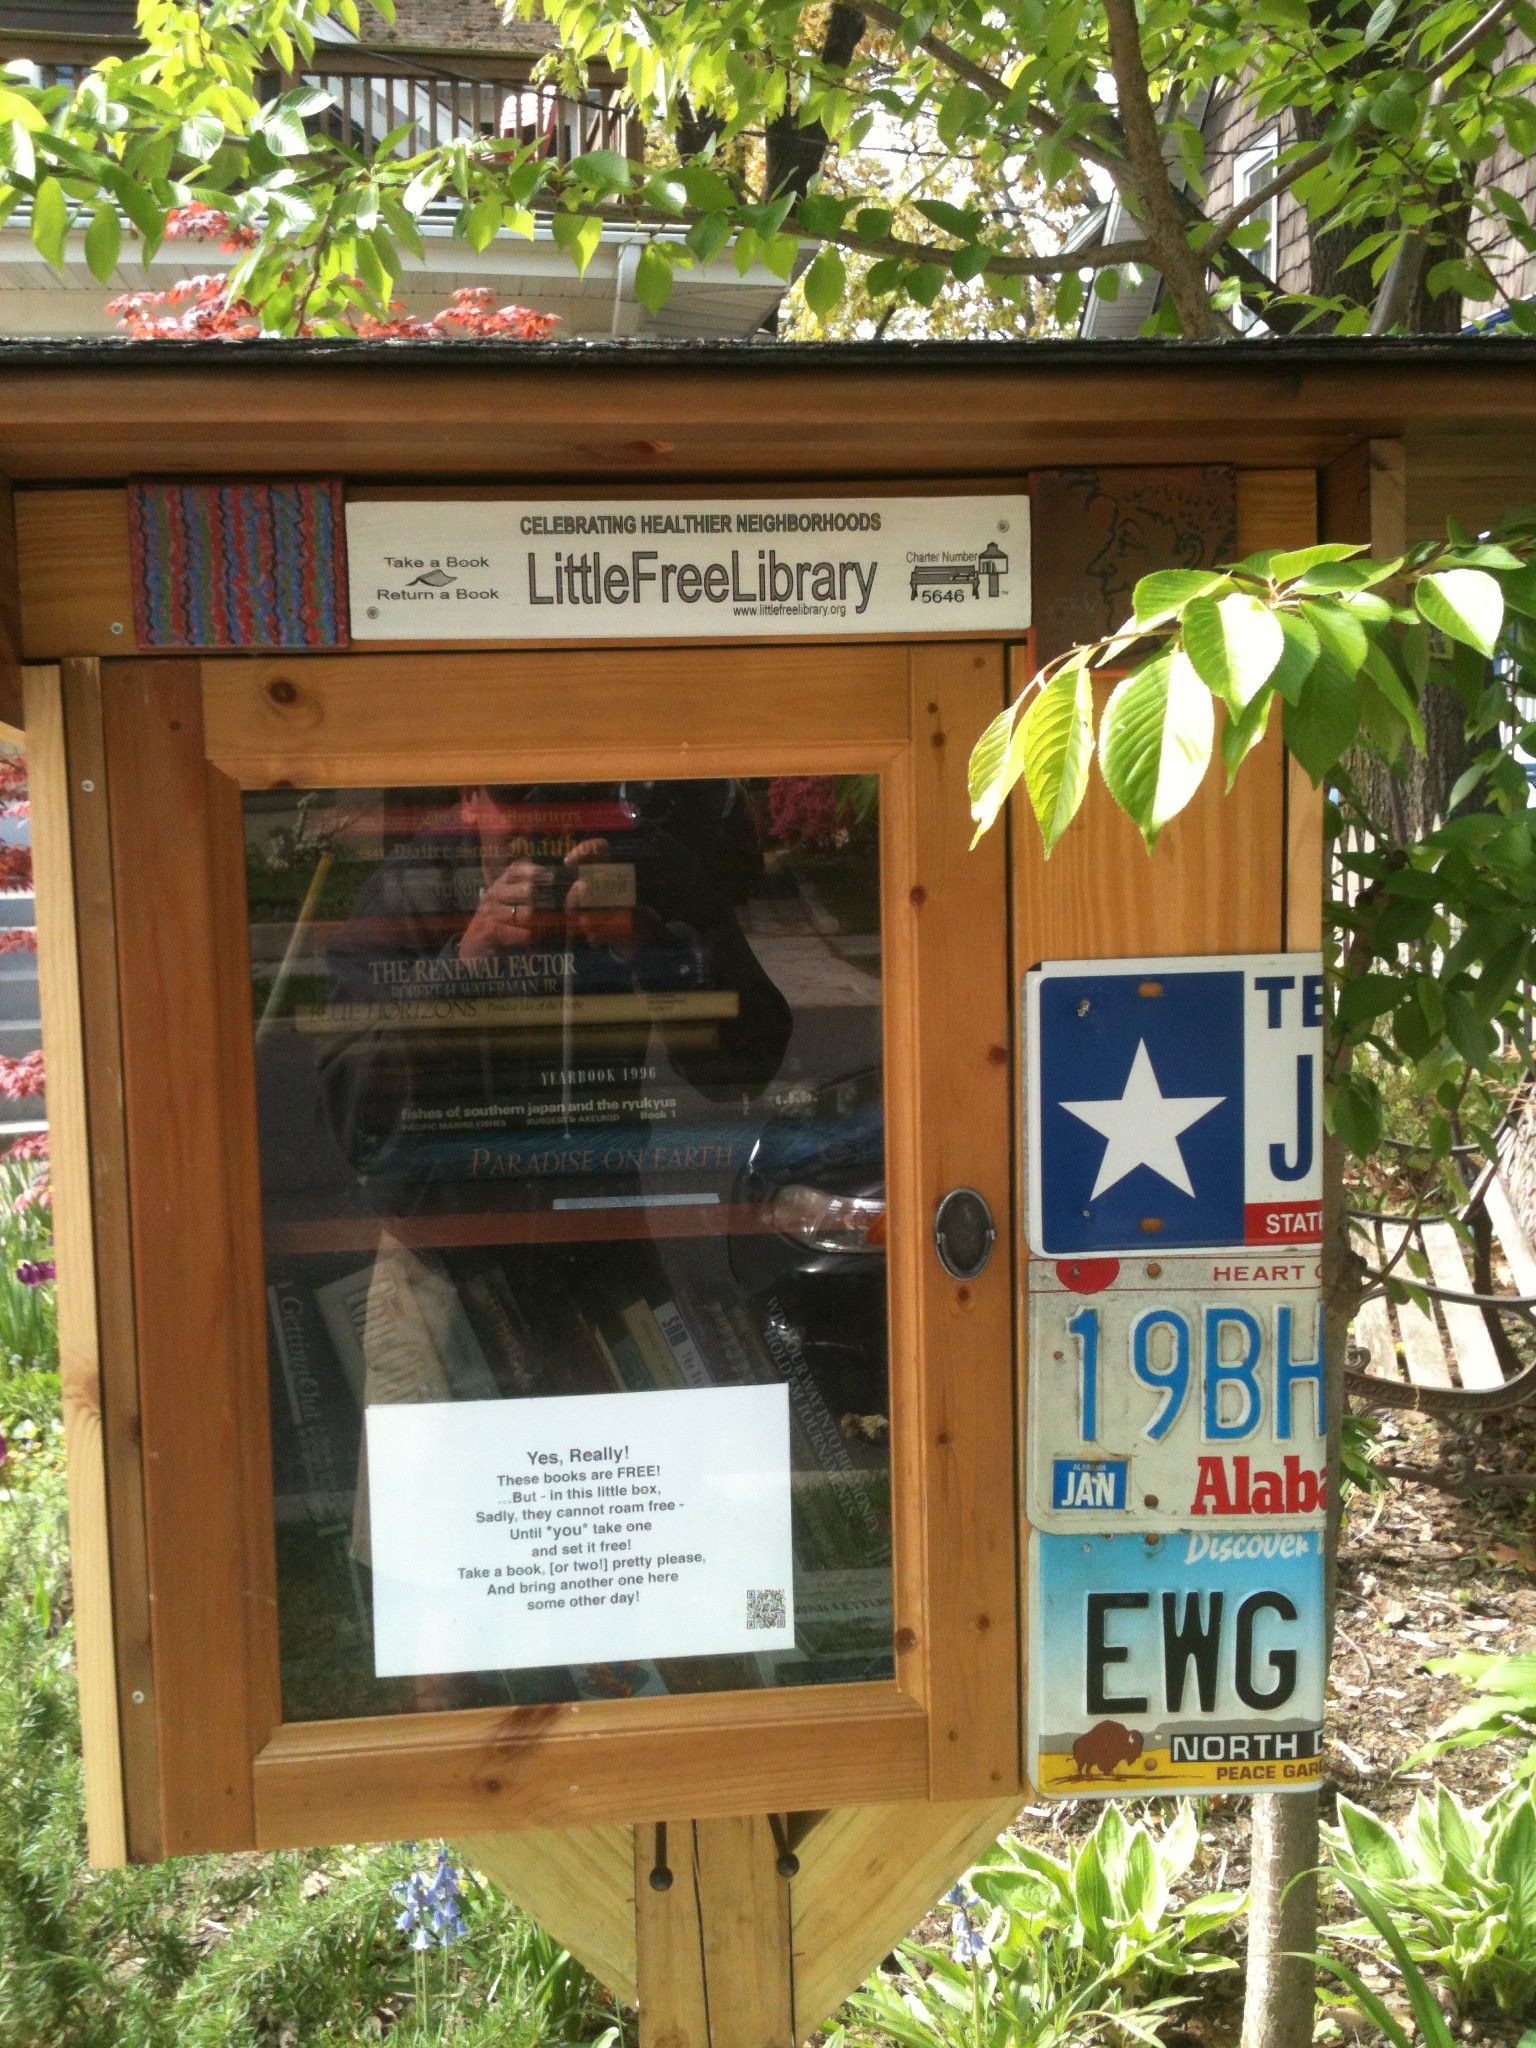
765, 1607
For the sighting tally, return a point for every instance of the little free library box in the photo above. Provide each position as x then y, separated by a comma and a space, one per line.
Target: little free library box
604, 1272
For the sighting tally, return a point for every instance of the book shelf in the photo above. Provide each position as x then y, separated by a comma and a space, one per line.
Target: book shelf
517, 1226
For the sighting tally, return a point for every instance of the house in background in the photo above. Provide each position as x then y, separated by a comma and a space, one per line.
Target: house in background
1241, 152
451, 67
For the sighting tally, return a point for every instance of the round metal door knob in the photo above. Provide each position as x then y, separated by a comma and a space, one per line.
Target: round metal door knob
963, 1233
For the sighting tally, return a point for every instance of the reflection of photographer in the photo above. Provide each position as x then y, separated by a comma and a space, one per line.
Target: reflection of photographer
559, 893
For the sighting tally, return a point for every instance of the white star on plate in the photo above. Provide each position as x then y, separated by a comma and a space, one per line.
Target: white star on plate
1143, 1127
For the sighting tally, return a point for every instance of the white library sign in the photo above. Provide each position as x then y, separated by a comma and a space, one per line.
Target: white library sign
707, 568
580, 1529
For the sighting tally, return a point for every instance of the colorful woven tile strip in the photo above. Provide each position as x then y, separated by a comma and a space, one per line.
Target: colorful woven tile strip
238, 565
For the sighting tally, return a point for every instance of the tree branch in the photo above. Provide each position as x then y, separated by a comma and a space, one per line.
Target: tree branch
1183, 271
1045, 123
1229, 222
1108, 257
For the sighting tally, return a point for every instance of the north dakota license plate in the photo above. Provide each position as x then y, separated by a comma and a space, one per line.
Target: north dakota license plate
1179, 1663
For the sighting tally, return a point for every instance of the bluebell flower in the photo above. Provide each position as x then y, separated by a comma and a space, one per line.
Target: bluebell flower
430, 1906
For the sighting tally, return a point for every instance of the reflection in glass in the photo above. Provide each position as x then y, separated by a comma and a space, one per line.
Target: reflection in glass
566, 1090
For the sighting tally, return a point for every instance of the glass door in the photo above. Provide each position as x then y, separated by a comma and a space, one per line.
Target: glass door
572, 1126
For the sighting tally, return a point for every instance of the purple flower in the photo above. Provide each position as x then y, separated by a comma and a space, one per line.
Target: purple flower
431, 1906
35, 1272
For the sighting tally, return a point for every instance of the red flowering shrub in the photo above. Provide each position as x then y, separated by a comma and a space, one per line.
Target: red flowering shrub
200, 309
208, 224
21, 1078
19, 939
803, 811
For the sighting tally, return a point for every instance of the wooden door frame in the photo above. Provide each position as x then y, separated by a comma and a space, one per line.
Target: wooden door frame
181, 739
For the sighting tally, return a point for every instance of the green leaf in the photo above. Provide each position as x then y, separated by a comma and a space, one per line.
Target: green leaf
1395, 111
821, 215
1382, 17
1355, 1114
954, 220
1344, 639
578, 234
1367, 996
961, 106
825, 282
872, 223
200, 137
988, 774
925, 281
1302, 648
50, 221
708, 236
1240, 735
1235, 643
1465, 604
1287, 567
653, 278
103, 241
602, 170
482, 224
1155, 740
1056, 738
1322, 723
1378, 666
1163, 594
1372, 1844
707, 191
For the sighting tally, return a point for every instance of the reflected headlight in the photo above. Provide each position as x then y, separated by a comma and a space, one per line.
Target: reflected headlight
831, 1223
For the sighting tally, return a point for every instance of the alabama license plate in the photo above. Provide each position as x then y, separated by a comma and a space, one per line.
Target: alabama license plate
1176, 1393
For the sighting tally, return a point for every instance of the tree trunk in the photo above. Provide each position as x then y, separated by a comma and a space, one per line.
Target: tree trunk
1282, 1922
1281, 1985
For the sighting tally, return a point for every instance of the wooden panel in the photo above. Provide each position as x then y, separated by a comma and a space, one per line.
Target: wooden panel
867, 1876
1214, 885
745, 1922
580, 1887
179, 1177
669, 1961
966, 1491
75, 571
79, 1367
1276, 508
350, 720
118, 1336
967, 410
552, 1767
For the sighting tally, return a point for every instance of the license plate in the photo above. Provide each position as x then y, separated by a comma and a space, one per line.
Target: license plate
1184, 1663
1176, 1393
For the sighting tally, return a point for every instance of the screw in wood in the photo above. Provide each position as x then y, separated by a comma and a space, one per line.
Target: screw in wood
661, 1877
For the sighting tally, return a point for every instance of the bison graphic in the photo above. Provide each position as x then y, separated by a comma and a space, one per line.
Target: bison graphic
1104, 1747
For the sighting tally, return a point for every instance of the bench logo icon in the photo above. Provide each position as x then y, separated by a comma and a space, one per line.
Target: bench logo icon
963, 572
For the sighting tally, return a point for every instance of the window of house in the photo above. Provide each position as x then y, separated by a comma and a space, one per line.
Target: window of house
1252, 168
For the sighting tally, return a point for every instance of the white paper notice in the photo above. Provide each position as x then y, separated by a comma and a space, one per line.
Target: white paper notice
582, 1529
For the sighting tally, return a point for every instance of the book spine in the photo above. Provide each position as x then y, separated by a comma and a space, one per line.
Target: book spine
680, 1340
504, 1334
845, 1491
620, 1149
447, 1012
643, 1327
820, 1539
294, 1340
